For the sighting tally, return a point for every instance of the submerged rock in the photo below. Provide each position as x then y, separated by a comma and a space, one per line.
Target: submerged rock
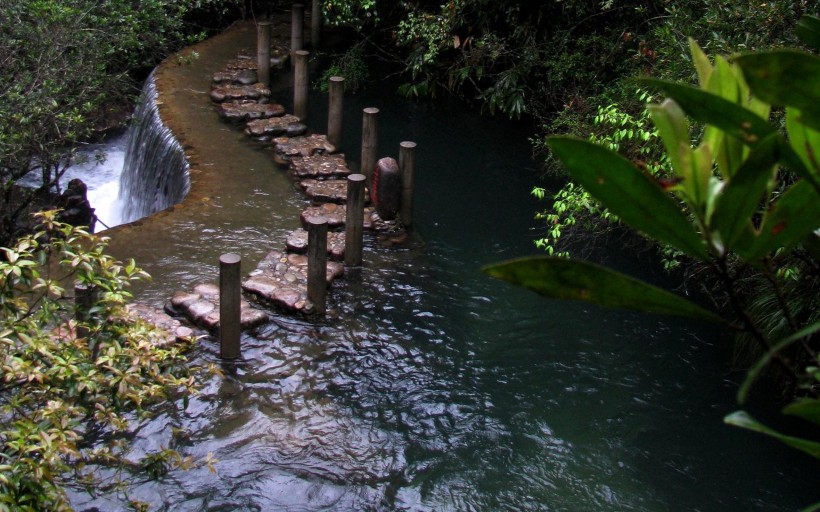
326, 191
335, 214
170, 329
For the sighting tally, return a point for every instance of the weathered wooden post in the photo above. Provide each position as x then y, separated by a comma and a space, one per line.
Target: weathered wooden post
229, 306
297, 28
334, 111
354, 220
300, 84
370, 141
315, 24
317, 263
263, 53
84, 297
407, 164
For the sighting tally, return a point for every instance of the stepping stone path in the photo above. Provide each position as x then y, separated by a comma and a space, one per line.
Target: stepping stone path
280, 279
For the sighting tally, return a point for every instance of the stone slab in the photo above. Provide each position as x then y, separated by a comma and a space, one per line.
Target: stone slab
222, 93
170, 329
281, 279
235, 77
325, 191
297, 241
201, 307
244, 62
246, 111
319, 166
335, 215
285, 148
276, 126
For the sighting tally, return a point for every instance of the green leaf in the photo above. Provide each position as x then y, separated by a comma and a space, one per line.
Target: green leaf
785, 77
793, 217
808, 31
806, 408
733, 119
673, 127
744, 420
627, 192
561, 278
740, 196
761, 363
701, 62
804, 140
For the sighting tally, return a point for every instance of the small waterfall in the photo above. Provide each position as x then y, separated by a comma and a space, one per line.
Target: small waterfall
155, 175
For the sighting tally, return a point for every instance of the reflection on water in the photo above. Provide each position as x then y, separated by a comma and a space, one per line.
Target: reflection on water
431, 387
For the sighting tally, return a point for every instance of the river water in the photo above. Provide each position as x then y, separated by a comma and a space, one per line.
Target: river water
430, 386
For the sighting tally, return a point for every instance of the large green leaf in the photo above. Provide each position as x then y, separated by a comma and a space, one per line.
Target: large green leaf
785, 77
804, 140
734, 119
793, 217
561, 278
627, 192
740, 196
808, 30
806, 408
743, 420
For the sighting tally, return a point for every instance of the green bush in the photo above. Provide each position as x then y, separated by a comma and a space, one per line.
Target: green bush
73, 376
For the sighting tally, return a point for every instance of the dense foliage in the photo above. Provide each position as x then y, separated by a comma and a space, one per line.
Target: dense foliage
70, 69
723, 207
74, 374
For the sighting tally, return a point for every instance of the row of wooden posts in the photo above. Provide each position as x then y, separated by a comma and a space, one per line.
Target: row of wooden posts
229, 264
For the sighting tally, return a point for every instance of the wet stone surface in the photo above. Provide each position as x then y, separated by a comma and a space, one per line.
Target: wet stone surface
281, 279
321, 166
286, 148
297, 242
239, 92
275, 126
235, 77
326, 191
246, 111
170, 330
201, 307
335, 215
242, 63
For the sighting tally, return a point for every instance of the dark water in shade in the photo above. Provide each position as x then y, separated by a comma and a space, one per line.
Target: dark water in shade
430, 386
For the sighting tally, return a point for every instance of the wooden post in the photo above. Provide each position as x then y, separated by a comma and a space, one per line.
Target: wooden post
84, 298
317, 263
229, 306
300, 85
336, 90
315, 24
407, 164
263, 53
370, 142
354, 220
297, 28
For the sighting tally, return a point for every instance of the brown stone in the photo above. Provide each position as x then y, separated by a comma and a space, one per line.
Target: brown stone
243, 111
239, 92
320, 166
241, 64
335, 215
297, 242
285, 148
235, 77
272, 126
327, 191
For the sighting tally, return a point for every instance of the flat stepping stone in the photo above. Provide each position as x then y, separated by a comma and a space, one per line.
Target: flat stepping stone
275, 126
335, 215
241, 63
285, 148
169, 329
246, 111
201, 307
281, 279
239, 92
321, 166
325, 191
279, 50
235, 77
297, 242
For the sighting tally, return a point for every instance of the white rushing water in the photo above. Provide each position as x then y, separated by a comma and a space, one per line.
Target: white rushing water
99, 166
